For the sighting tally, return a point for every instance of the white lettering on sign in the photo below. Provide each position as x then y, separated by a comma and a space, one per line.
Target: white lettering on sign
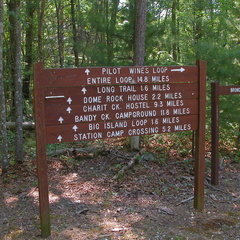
143, 131
106, 89
61, 120
181, 111
125, 80
144, 88
95, 108
49, 97
164, 112
97, 99
105, 116
170, 120
130, 88
137, 105
141, 79
87, 71
85, 118
163, 87
175, 103
114, 125
75, 128
166, 129
160, 78
84, 90
155, 121
59, 138
235, 90
69, 110
184, 127
114, 98
138, 97
115, 133
160, 69
176, 95
115, 107
111, 71
178, 70
141, 122
138, 70
156, 96
136, 114
158, 104
93, 126
69, 100
87, 136
99, 80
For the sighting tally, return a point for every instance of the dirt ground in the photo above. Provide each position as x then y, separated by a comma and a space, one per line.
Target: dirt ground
153, 200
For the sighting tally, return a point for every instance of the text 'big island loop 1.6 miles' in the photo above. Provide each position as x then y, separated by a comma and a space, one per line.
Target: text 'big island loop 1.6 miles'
95, 103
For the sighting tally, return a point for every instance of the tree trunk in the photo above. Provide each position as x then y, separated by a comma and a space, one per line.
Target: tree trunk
40, 27
30, 9
111, 27
74, 32
18, 88
198, 12
175, 30
139, 47
60, 20
14, 6
4, 162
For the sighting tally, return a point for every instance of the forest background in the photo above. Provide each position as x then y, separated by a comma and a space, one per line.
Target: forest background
80, 33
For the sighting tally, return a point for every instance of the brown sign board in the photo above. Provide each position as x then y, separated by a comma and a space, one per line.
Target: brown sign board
93, 76
123, 128
65, 114
229, 90
216, 91
77, 104
115, 95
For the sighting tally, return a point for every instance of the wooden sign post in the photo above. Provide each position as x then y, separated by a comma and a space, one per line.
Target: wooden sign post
77, 104
216, 91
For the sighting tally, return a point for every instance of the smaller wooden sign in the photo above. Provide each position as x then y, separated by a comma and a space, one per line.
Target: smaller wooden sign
229, 90
216, 91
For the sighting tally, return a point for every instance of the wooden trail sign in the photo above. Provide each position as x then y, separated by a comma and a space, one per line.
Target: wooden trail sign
77, 104
216, 91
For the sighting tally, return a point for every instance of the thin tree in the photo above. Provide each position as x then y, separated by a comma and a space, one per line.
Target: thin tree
59, 13
175, 32
111, 28
41, 11
139, 46
74, 34
4, 146
15, 41
31, 7
198, 12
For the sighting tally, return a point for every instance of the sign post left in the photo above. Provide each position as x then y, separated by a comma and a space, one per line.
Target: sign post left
42, 168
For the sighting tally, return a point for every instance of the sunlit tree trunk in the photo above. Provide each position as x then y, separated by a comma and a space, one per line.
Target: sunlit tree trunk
139, 47
4, 146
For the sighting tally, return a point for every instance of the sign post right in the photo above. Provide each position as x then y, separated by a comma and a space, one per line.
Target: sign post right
216, 91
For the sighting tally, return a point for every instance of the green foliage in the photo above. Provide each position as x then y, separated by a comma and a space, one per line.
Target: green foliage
105, 32
29, 146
